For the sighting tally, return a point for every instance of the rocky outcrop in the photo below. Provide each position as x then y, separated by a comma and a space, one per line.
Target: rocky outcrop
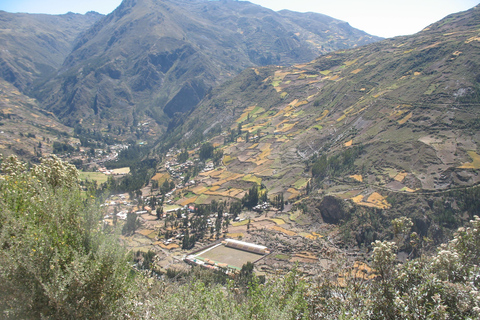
332, 210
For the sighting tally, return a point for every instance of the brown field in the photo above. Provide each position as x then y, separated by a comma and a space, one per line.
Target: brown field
233, 257
187, 201
161, 177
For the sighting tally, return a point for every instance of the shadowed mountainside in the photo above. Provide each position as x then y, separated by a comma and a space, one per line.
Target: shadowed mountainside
35, 45
154, 59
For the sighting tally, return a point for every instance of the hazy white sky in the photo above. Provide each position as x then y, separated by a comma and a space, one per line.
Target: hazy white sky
383, 18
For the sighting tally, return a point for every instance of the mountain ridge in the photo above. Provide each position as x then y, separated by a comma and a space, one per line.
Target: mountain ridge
157, 58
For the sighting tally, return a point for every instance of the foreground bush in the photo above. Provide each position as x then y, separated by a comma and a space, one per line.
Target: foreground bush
55, 262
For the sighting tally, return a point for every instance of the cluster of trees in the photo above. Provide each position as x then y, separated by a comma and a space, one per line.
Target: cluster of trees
278, 202
60, 147
71, 268
336, 165
91, 138
207, 151
253, 196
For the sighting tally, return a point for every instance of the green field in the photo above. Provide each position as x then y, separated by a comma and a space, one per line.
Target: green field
97, 176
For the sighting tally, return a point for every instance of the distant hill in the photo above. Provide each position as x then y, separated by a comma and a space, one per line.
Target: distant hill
410, 103
26, 130
34, 46
150, 59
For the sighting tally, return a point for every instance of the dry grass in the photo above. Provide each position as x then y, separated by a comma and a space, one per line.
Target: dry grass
187, 201
125, 170
405, 119
401, 176
282, 230
357, 177
475, 164
324, 114
277, 221
252, 178
235, 235
199, 190
161, 177
375, 200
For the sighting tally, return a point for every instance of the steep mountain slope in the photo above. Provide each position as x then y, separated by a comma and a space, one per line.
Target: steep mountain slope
35, 45
25, 129
399, 115
155, 58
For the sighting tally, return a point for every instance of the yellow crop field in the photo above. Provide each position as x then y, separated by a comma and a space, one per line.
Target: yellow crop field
124, 170
228, 159
343, 116
241, 223
199, 190
294, 193
378, 200
405, 119
357, 199
357, 177
217, 173
245, 113
375, 200
252, 178
325, 72
324, 114
475, 164
401, 176
301, 103
286, 127
235, 235
348, 143
214, 188
277, 221
351, 62
356, 71
266, 151
285, 231
266, 173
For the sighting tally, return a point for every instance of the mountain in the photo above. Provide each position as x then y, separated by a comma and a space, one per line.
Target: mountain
152, 59
27, 130
35, 45
401, 115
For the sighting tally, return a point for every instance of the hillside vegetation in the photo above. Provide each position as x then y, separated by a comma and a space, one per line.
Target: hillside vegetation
73, 267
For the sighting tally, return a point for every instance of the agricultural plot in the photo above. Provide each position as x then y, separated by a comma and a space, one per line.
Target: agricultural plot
232, 257
125, 170
475, 164
283, 230
375, 200
160, 177
94, 176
